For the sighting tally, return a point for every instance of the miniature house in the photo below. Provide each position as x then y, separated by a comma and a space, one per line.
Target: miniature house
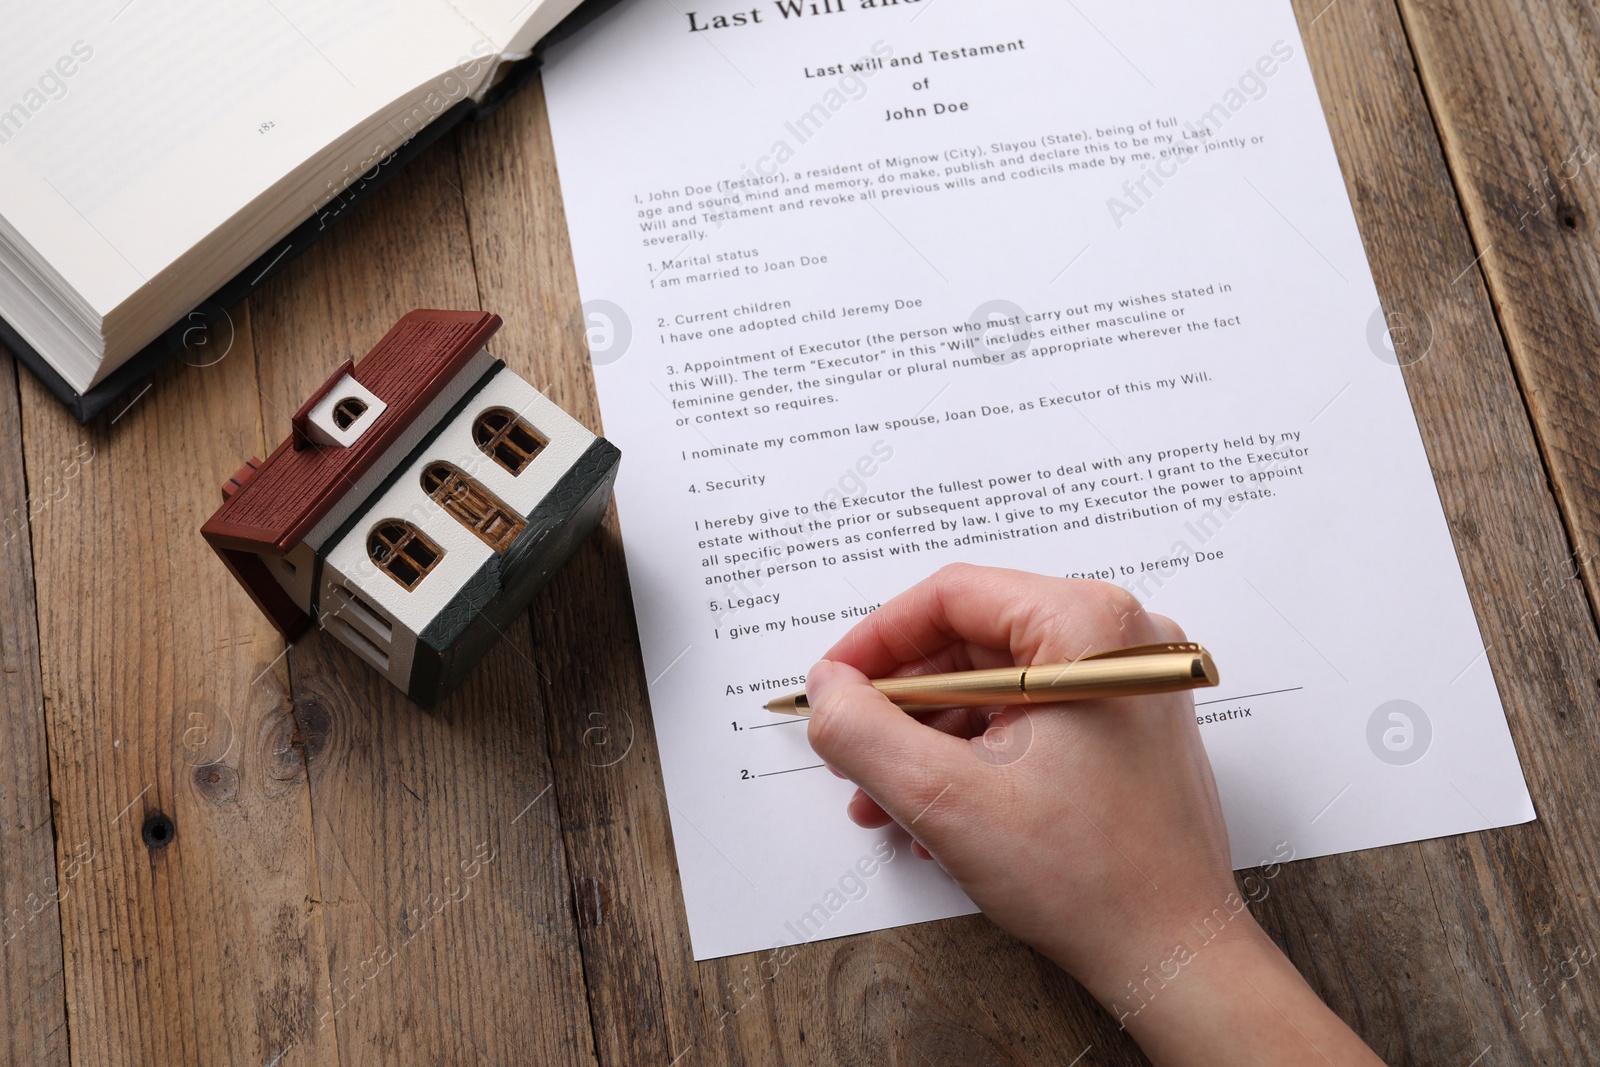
424, 495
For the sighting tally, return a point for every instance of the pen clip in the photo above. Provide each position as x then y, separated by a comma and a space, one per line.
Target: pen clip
1145, 650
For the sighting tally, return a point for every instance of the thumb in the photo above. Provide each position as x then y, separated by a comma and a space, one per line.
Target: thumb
901, 763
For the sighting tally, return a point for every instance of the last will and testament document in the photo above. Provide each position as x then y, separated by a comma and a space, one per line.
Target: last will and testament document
1075, 288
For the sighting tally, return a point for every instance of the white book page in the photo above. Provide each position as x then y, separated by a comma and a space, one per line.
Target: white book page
517, 25
129, 132
1070, 288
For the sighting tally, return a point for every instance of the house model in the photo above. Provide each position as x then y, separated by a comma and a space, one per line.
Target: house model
423, 497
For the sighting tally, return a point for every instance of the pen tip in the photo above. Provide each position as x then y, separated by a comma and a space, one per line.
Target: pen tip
790, 705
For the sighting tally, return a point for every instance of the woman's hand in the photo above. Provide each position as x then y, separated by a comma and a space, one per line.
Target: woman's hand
1091, 830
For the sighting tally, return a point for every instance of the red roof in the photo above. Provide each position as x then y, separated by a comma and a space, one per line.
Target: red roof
286, 496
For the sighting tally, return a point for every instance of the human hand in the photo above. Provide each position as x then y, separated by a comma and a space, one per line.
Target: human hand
1091, 831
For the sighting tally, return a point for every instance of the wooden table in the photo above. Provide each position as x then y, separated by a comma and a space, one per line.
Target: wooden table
214, 850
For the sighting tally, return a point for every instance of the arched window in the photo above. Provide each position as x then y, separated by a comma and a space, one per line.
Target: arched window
473, 506
348, 411
505, 438
402, 551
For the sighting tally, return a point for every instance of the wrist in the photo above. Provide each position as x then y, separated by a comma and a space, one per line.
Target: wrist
1237, 1000
1158, 945
1181, 964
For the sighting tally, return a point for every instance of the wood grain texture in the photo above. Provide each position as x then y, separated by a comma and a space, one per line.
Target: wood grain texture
165, 695
442, 881
355, 881
32, 997
1512, 87
1429, 949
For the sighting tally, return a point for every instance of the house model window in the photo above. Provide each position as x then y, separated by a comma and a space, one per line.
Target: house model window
403, 552
348, 411
505, 438
337, 419
473, 506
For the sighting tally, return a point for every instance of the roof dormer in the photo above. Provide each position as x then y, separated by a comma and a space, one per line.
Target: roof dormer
338, 413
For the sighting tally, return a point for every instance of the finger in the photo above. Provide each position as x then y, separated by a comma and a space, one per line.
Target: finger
899, 762
955, 656
866, 812
920, 852
957, 722
967, 656
1166, 628
1032, 617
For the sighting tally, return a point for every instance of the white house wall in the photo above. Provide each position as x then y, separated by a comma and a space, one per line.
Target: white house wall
408, 612
567, 439
345, 606
411, 609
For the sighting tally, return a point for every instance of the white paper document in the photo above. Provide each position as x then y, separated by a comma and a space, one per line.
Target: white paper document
1072, 288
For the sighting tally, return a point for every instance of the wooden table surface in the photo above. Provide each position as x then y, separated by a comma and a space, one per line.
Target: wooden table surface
214, 850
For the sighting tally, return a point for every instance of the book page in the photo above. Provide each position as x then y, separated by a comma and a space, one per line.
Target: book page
130, 132
516, 25
1069, 288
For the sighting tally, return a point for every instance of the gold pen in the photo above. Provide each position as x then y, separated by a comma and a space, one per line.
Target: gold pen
1142, 669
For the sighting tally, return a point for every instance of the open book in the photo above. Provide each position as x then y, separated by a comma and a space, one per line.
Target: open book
154, 155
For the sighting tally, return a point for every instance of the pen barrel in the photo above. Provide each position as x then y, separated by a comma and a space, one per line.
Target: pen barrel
1086, 679
1002, 685
1091, 679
